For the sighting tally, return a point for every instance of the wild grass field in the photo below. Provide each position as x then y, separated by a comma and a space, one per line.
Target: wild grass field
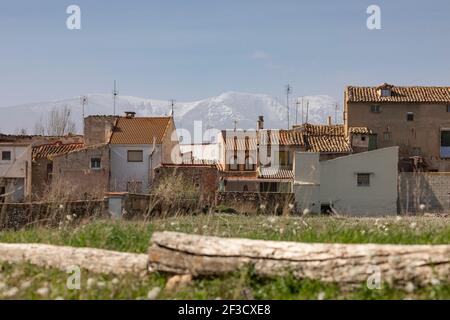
25, 281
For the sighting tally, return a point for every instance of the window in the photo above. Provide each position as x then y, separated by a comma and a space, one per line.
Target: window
96, 163
285, 159
375, 108
448, 108
249, 166
410, 116
268, 187
6, 155
387, 136
445, 143
363, 138
245, 188
385, 92
135, 156
363, 179
234, 166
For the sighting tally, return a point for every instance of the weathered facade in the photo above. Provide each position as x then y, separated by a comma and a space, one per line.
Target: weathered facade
15, 171
416, 119
83, 173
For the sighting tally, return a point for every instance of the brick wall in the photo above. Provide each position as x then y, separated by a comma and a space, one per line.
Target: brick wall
428, 188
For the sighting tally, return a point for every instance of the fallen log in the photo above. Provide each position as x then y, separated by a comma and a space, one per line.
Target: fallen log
61, 257
348, 264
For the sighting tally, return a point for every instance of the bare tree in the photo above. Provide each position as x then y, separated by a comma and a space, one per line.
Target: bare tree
58, 123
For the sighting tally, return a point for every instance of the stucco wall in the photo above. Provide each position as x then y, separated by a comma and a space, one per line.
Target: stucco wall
422, 133
123, 171
16, 173
338, 182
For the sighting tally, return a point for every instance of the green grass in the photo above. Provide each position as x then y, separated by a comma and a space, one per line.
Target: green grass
135, 236
25, 281
132, 236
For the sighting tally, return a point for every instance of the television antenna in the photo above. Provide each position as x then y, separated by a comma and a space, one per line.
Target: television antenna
288, 92
115, 94
83, 101
172, 104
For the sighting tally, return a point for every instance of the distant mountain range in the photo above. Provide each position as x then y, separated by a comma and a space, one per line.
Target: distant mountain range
220, 112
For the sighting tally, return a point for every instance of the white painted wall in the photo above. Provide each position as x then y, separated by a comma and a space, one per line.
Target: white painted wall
16, 173
338, 182
123, 171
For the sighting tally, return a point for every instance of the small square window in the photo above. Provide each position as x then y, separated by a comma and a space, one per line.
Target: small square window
375, 108
385, 92
410, 116
96, 163
135, 156
6, 155
363, 179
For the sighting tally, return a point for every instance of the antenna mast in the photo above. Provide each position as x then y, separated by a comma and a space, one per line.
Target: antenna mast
172, 104
307, 110
335, 113
296, 111
115, 94
288, 92
83, 101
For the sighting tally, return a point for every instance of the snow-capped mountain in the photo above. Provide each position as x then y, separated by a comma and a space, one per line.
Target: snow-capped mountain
220, 112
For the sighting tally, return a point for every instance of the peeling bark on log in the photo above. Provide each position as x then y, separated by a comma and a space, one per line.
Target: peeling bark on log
60, 257
347, 264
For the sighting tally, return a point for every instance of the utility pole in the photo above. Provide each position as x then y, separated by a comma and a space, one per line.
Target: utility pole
288, 92
83, 101
115, 94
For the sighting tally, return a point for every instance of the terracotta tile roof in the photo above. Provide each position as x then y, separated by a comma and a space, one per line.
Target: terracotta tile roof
140, 130
399, 94
54, 149
281, 137
359, 130
325, 138
274, 173
239, 140
328, 144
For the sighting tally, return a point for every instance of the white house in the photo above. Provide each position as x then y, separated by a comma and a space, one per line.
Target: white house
361, 184
137, 146
15, 171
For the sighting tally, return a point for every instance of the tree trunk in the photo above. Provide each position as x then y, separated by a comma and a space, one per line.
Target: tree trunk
347, 264
95, 260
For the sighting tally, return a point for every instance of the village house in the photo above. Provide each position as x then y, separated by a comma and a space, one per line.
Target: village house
138, 145
361, 184
261, 160
416, 119
15, 171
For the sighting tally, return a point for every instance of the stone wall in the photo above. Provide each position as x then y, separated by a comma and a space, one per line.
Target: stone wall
257, 202
98, 129
20, 215
429, 189
204, 177
73, 172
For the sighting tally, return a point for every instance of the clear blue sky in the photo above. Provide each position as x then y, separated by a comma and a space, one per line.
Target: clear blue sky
191, 49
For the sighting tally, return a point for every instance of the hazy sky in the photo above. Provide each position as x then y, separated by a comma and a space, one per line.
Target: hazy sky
192, 49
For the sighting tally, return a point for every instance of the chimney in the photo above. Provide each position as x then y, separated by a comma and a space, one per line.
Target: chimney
329, 120
260, 123
130, 114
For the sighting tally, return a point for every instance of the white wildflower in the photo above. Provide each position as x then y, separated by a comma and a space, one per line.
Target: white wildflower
321, 295
11, 292
153, 294
409, 287
43, 292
